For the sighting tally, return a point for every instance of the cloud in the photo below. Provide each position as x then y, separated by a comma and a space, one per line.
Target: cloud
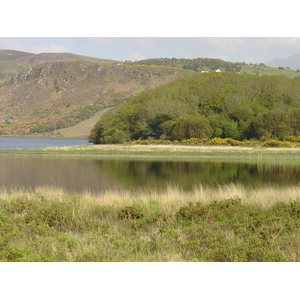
32, 45
136, 55
6, 43
43, 48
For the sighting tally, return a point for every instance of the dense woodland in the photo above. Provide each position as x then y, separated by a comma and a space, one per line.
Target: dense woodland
226, 105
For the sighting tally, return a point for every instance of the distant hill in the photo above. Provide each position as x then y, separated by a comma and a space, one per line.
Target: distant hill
203, 65
226, 105
195, 64
292, 62
12, 62
55, 95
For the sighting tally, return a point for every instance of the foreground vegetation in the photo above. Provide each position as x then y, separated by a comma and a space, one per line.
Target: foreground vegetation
230, 223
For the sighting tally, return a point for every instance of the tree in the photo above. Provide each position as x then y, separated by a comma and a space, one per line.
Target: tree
272, 123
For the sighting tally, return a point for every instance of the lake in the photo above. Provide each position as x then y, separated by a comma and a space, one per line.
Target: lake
13, 143
97, 175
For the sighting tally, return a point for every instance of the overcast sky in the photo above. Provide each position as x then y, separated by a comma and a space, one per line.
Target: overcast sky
126, 30
248, 49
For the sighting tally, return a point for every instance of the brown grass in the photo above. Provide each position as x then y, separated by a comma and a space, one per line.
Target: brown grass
172, 196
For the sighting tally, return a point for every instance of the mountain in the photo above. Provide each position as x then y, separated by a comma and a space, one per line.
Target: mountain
12, 62
59, 94
292, 62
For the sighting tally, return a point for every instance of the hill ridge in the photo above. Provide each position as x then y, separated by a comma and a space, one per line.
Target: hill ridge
12, 62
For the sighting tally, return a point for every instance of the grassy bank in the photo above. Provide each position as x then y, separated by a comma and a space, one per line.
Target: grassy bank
231, 223
170, 152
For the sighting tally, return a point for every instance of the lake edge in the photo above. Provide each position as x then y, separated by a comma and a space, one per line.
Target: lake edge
169, 152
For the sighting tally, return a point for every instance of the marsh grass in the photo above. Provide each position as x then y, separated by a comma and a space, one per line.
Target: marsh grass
227, 223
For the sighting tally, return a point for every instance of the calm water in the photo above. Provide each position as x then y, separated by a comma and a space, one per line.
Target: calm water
12, 143
96, 175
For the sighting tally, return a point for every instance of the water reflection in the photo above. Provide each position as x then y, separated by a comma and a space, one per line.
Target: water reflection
80, 174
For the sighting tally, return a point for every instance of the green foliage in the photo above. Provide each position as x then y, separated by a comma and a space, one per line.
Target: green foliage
223, 105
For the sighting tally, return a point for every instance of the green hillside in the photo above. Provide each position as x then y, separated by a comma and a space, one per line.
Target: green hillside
227, 105
60, 94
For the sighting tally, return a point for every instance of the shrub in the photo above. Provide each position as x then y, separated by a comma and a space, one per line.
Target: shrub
275, 143
232, 142
41, 211
195, 141
292, 138
226, 142
130, 212
191, 211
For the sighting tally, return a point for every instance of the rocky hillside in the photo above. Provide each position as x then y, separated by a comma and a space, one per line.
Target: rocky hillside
54, 95
12, 62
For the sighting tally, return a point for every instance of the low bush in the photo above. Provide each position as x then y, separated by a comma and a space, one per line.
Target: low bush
293, 138
225, 142
195, 141
130, 212
276, 143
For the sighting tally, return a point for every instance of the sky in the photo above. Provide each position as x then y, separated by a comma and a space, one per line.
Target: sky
122, 30
237, 49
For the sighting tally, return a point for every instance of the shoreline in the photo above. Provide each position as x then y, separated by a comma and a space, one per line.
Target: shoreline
167, 152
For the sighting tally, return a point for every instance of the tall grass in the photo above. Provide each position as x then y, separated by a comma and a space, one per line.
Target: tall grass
171, 196
174, 196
